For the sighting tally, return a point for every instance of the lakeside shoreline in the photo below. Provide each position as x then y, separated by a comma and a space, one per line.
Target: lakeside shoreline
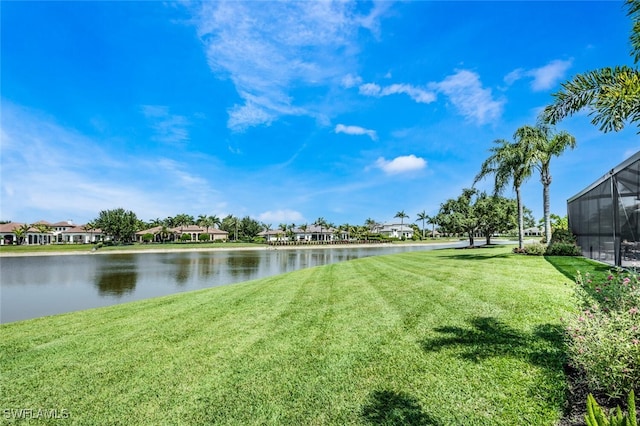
219, 249
242, 248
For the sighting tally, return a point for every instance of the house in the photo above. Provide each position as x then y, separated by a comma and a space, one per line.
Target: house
394, 230
16, 233
311, 233
81, 235
534, 231
176, 234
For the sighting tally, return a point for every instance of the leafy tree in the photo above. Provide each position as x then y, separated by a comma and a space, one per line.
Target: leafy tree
510, 162
402, 215
249, 228
204, 237
528, 220
458, 215
120, 224
183, 220
495, 214
185, 237
612, 95
230, 224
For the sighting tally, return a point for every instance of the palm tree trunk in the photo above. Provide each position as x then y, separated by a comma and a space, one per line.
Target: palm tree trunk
547, 217
520, 219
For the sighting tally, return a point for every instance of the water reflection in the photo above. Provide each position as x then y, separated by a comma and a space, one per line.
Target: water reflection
117, 276
45, 285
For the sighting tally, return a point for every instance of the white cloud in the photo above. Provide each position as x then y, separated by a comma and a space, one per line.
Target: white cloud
267, 49
350, 80
418, 94
169, 128
402, 164
543, 78
281, 216
466, 93
546, 77
356, 130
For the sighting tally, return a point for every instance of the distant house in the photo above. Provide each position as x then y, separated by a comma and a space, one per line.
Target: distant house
81, 235
394, 230
534, 231
175, 234
310, 234
9, 234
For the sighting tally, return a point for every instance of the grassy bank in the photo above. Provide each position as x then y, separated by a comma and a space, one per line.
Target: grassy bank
469, 337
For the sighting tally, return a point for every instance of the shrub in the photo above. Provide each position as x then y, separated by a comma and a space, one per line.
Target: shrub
147, 238
563, 249
204, 237
563, 236
604, 337
185, 237
535, 249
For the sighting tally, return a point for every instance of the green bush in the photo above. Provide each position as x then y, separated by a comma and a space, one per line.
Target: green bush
204, 237
563, 249
535, 249
597, 417
185, 237
604, 337
147, 238
563, 236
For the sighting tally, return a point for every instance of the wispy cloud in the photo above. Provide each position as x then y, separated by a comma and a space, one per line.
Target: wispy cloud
418, 94
356, 130
463, 89
350, 80
169, 128
281, 216
543, 78
467, 95
56, 172
266, 49
402, 164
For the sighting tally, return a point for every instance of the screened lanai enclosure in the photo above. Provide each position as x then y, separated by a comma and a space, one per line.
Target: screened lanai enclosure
605, 217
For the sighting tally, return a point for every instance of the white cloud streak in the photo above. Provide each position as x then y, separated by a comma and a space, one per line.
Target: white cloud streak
418, 94
267, 49
281, 216
169, 128
402, 164
543, 78
467, 95
356, 130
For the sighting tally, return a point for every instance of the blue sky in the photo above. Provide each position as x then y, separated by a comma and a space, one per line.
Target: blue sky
287, 112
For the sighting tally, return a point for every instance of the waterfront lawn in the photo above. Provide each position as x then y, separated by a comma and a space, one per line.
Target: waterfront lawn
465, 337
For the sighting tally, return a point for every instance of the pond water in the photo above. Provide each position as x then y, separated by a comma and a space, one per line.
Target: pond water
37, 286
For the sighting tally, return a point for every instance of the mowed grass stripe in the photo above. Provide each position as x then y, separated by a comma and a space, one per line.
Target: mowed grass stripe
444, 337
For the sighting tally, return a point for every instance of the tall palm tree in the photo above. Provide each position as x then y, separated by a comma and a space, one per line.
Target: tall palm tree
402, 215
431, 220
547, 144
611, 94
510, 162
423, 217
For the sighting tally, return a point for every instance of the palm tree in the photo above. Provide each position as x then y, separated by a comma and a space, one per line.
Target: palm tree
431, 220
510, 162
402, 215
548, 144
611, 94
423, 217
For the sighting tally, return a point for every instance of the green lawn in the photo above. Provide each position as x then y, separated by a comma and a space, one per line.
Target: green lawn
451, 337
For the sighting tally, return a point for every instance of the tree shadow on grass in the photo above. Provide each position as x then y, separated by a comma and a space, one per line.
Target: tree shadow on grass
488, 337
568, 266
482, 255
393, 408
